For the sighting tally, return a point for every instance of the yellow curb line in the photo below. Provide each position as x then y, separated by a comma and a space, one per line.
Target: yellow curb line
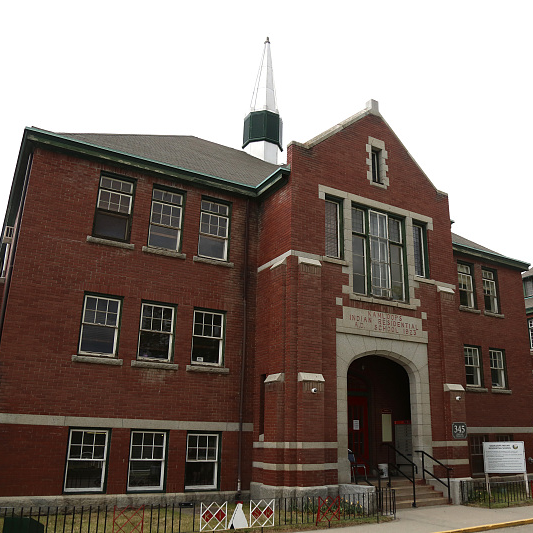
489, 527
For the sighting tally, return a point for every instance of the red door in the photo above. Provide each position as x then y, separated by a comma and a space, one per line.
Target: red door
358, 429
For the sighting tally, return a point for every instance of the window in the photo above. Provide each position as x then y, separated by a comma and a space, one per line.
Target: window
497, 368
376, 161
376, 174
333, 218
530, 326
165, 220
201, 468
504, 438
381, 240
214, 230
472, 366
466, 286
147, 460
86, 461
99, 326
208, 336
156, 332
113, 209
476, 452
419, 249
528, 287
489, 290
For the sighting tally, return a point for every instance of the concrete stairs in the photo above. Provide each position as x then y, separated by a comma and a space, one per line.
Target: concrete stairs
425, 494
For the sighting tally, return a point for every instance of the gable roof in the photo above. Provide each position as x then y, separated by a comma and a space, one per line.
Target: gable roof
372, 108
465, 246
185, 152
182, 157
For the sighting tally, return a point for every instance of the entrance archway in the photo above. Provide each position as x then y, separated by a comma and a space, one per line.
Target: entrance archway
379, 410
413, 358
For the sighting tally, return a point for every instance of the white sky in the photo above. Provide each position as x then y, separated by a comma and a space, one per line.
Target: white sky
453, 79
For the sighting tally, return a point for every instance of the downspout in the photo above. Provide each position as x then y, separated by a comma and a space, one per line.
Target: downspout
12, 251
244, 337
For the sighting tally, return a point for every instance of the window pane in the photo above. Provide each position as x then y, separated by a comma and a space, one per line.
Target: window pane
97, 339
212, 247
332, 229
418, 240
206, 350
200, 474
154, 345
84, 475
163, 237
111, 226
145, 474
358, 221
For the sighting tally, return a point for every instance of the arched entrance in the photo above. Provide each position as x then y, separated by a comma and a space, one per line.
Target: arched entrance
379, 410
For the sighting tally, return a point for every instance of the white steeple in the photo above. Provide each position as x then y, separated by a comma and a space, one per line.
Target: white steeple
263, 125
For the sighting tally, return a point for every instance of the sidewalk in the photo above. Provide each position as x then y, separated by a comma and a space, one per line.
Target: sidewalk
446, 518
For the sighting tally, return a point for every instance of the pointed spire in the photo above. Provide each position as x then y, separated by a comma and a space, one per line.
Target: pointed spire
264, 96
263, 125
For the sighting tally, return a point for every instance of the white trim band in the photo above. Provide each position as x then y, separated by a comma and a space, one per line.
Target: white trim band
88, 421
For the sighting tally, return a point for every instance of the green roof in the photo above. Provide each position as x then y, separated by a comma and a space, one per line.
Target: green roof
465, 246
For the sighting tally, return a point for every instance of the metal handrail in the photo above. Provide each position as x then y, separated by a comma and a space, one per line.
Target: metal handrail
424, 471
414, 468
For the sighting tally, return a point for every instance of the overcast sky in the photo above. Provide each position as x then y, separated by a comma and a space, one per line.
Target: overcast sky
453, 79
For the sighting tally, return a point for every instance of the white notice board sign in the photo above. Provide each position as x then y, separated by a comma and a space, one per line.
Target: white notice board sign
504, 457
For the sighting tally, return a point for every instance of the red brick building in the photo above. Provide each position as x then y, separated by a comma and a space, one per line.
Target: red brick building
182, 317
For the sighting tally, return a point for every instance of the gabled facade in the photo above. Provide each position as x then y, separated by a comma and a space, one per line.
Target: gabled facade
180, 317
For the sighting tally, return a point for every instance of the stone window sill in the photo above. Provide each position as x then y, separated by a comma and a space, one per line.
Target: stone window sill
469, 310
476, 389
501, 391
208, 261
495, 315
207, 369
97, 360
162, 251
154, 365
380, 301
334, 260
107, 242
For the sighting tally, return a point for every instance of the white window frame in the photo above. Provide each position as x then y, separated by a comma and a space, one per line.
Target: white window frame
115, 199
497, 368
465, 284
147, 453
333, 228
102, 318
166, 218
203, 454
214, 227
149, 325
203, 328
530, 327
473, 361
88, 453
490, 291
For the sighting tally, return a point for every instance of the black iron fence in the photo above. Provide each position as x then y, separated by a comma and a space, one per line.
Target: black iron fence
498, 493
200, 517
